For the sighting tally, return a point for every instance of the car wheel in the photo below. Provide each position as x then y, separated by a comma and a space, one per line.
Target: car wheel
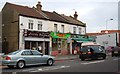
50, 62
10, 66
104, 57
20, 64
82, 59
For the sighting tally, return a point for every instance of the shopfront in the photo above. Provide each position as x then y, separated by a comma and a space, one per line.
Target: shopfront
35, 39
77, 40
59, 43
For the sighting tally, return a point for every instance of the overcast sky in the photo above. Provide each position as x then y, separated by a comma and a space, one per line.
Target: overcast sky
95, 13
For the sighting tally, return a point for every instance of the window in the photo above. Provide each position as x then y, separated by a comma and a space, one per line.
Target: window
55, 27
80, 30
35, 53
74, 30
15, 52
62, 28
39, 25
30, 24
26, 53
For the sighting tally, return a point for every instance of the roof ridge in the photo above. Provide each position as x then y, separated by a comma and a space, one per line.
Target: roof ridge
76, 19
18, 5
41, 13
60, 16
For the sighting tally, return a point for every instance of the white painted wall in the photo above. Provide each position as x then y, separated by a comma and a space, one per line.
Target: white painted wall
110, 38
119, 15
47, 26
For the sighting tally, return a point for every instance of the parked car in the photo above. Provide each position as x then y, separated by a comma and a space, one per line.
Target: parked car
91, 50
115, 51
26, 57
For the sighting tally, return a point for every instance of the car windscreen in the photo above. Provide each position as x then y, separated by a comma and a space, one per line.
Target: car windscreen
95, 48
15, 52
84, 49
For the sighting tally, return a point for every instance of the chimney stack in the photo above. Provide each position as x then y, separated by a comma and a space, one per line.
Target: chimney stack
39, 6
75, 15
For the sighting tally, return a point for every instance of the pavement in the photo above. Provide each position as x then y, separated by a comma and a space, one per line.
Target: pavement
66, 57
58, 58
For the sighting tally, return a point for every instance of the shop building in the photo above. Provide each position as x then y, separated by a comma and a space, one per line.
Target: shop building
29, 28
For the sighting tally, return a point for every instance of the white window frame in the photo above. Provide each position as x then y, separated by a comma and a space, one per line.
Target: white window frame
62, 28
30, 24
39, 25
80, 30
74, 30
55, 28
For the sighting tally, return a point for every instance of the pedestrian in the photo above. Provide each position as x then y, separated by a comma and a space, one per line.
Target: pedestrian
40, 49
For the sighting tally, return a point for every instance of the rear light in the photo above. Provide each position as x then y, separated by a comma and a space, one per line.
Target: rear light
80, 52
89, 52
8, 58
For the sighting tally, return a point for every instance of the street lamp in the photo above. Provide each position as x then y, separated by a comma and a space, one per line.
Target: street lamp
106, 25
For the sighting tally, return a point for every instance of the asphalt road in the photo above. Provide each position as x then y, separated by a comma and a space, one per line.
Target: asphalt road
110, 64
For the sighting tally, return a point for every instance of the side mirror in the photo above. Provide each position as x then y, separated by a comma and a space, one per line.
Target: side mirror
41, 54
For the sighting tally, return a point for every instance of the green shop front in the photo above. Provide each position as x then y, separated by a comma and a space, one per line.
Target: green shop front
59, 43
77, 40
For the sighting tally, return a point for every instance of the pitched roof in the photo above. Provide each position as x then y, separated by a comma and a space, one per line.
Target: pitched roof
73, 20
25, 10
53, 16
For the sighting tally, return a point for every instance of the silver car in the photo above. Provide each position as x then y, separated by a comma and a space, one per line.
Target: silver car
26, 57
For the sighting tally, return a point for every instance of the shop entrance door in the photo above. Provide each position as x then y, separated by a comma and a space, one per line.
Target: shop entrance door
46, 48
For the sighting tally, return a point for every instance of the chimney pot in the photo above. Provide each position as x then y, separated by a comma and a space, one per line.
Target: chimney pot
75, 15
39, 6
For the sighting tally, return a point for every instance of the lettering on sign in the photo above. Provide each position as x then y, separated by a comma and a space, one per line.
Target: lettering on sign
36, 34
61, 35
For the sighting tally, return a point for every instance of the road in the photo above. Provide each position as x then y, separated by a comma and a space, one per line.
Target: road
110, 64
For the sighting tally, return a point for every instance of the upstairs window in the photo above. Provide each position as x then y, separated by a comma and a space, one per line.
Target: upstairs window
74, 30
39, 25
55, 27
30, 24
62, 28
80, 30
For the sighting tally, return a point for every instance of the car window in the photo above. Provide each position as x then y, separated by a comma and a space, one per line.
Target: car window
97, 48
85, 49
26, 53
35, 53
92, 48
15, 52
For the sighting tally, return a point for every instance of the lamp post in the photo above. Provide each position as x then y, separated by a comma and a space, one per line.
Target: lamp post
107, 25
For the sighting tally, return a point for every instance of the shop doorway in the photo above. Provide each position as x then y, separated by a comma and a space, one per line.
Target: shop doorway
46, 48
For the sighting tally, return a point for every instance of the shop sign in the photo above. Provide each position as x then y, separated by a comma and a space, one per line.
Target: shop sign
59, 35
28, 33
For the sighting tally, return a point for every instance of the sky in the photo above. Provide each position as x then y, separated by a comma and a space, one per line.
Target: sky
95, 13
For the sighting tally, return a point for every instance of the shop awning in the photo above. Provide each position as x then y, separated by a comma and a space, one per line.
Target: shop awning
80, 40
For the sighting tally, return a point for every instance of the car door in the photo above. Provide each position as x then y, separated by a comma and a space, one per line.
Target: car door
37, 57
28, 57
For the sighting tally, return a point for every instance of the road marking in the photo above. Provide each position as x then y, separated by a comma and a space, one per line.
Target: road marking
28, 70
93, 62
116, 58
50, 68
40, 69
